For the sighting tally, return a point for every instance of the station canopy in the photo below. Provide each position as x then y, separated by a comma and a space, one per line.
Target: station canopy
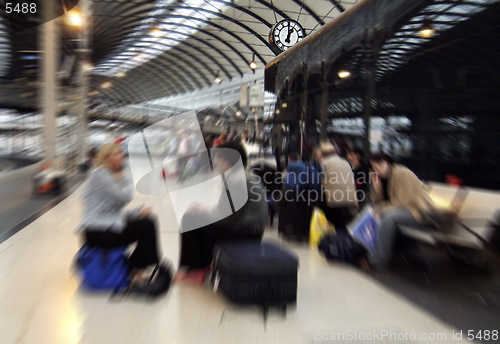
150, 49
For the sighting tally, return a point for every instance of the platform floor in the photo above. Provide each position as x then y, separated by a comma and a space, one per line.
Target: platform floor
18, 217
40, 299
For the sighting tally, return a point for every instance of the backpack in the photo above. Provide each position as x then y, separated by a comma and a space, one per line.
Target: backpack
103, 268
301, 175
296, 176
341, 247
314, 177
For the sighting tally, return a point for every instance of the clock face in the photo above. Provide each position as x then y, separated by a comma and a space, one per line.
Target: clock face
286, 33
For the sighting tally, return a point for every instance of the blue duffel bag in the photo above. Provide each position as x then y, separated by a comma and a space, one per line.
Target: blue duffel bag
103, 268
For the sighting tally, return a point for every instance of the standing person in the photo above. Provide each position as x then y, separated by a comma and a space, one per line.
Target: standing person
295, 210
246, 133
277, 157
317, 166
361, 174
339, 188
317, 158
207, 165
234, 136
183, 152
106, 224
90, 159
222, 139
400, 200
292, 147
242, 139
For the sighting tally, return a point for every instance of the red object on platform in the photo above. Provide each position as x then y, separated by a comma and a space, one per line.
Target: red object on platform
453, 180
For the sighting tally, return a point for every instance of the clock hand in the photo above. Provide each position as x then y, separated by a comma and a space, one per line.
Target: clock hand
289, 35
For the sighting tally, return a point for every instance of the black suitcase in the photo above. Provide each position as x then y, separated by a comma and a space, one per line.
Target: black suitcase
294, 219
256, 273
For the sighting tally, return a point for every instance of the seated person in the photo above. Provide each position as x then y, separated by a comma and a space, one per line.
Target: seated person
400, 200
247, 223
106, 224
361, 174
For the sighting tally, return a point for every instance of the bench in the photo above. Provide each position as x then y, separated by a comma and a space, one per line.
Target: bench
477, 214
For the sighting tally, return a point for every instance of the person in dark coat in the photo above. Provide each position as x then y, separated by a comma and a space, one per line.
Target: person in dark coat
361, 174
246, 223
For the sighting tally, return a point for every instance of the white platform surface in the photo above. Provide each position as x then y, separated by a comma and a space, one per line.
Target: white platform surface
40, 300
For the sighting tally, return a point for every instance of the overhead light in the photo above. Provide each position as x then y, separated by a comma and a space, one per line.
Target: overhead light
93, 93
278, 111
74, 18
238, 113
106, 84
156, 32
120, 74
427, 30
87, 66
253, 65
344, 73
218, 79
284, 105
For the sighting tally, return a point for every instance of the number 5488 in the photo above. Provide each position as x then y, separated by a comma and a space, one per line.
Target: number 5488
20, 8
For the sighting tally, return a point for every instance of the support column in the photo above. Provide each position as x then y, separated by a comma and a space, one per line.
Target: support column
303, 110
84, 51
370, 58
49, 39
277, 123
256, 118
324, 104
424, 129
368, 110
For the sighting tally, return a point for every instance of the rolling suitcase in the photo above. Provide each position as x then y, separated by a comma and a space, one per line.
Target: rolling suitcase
264, 274
294, 219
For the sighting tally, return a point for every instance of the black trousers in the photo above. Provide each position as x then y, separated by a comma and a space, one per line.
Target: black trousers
142, 231
339, 217
197, 245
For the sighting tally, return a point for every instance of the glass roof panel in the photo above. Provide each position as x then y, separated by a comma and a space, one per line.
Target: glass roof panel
443, 15
5, 50
149, 44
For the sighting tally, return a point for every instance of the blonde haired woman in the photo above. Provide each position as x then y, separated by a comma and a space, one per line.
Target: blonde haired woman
106, 224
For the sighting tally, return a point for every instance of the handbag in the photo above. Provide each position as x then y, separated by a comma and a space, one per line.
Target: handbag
103, 268
320, 226
364, 230
158, 284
